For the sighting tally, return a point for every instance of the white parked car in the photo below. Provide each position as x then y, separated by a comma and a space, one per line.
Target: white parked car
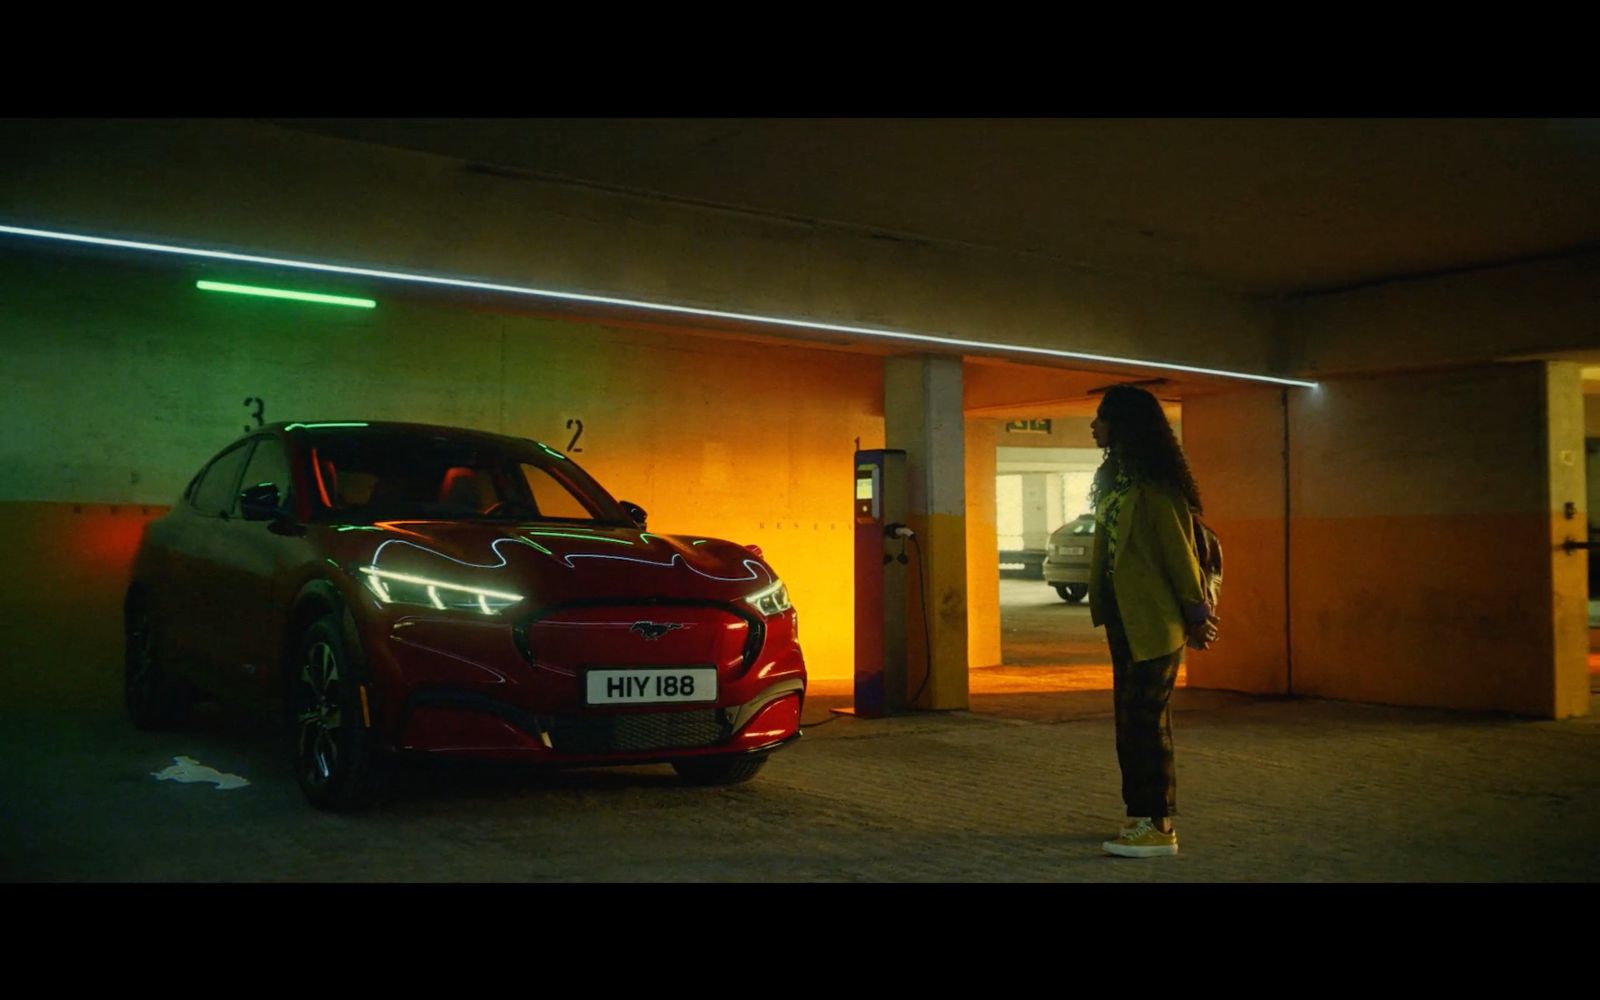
1066, 561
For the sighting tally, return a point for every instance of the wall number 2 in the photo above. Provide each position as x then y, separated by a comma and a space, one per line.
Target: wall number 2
260, 408
573, 444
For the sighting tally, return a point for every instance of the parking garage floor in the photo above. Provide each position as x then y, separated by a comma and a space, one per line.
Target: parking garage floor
1023, 787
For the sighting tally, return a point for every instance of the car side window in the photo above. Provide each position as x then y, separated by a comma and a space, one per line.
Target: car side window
218, 490
269, 464
552, 497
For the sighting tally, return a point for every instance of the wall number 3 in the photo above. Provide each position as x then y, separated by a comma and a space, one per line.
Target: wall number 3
573, 444
260, 408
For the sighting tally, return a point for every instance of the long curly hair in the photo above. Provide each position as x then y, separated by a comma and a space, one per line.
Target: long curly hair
1142, 443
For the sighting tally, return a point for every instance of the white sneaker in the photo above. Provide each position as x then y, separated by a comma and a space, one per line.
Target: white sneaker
1143, 841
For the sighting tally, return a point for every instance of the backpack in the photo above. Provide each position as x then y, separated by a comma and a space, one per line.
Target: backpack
1208, 552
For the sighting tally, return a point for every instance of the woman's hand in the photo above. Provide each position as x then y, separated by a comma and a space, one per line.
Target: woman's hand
1203, 634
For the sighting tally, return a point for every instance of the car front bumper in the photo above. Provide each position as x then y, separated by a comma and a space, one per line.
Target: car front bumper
514, 689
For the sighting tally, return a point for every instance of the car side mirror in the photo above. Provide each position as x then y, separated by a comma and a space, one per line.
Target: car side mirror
260, 502
634, 511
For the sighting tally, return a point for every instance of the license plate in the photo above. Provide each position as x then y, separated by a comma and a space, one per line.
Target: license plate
1072, 550
651, 686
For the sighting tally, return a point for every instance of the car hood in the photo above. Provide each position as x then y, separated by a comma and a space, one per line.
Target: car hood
551, 564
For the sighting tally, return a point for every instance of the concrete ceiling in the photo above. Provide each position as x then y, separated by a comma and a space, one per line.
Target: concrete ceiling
1258, 206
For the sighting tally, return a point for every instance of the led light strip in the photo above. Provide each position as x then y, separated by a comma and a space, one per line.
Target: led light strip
426, 279
284, 293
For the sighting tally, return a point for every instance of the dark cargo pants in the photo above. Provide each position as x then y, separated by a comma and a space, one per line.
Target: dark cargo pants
1142, 692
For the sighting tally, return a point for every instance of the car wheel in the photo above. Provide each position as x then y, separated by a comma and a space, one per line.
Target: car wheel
719, 770
1076, 592
333, 752
1061, 591
153, 699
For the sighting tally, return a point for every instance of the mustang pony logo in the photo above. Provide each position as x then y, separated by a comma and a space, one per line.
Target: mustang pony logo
654, 630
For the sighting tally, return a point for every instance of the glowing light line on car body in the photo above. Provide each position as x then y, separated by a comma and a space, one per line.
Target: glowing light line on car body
756, 569
677, 557
581, 538
659, 307
494, 547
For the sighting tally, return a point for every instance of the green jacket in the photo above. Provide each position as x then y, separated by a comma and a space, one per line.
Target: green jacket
1157, 579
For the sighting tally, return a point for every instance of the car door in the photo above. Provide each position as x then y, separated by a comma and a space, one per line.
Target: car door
186, 600
255, 564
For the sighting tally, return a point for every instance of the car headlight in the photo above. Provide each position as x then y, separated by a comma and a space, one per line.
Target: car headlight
771, 600
403, 588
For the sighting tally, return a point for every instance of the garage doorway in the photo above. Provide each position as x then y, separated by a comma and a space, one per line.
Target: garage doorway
1044, 464
1044, 530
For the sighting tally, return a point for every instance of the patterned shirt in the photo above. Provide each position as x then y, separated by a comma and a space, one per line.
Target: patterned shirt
1109, 514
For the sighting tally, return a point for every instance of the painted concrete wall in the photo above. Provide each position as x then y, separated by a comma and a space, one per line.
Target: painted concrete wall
118, 382
1235, 449
1423, 566
61, 599
253, 185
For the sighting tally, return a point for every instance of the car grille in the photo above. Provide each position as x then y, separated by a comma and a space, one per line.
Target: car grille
639, 733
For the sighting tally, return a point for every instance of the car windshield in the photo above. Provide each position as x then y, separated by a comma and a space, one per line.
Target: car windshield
391, 474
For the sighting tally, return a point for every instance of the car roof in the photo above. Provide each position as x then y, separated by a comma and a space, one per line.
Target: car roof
288, 426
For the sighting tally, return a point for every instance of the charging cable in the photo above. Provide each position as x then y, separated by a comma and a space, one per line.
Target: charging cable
904, 533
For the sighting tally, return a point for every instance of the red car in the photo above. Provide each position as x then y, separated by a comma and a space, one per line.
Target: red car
400, 588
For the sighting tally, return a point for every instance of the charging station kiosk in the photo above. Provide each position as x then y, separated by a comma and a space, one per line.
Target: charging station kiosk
880, 580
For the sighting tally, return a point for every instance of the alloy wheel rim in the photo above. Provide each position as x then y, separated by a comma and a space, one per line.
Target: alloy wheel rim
320, 716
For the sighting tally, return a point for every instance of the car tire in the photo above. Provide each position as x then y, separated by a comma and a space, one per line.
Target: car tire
153, 699
719, 770
332, 745
1072, 593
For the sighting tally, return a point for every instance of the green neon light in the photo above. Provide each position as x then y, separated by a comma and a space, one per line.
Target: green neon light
291, 427
330, 562
645, 534
284, 293
700, 542
551, 450
581, 538
356, 527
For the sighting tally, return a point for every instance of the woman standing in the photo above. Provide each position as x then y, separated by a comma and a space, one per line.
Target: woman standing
1145, 587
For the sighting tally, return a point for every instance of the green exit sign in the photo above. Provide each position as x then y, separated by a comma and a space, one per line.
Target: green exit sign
1028, 426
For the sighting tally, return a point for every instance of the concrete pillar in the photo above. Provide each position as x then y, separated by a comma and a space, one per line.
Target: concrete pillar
1569, 571
923, 415
983, 550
